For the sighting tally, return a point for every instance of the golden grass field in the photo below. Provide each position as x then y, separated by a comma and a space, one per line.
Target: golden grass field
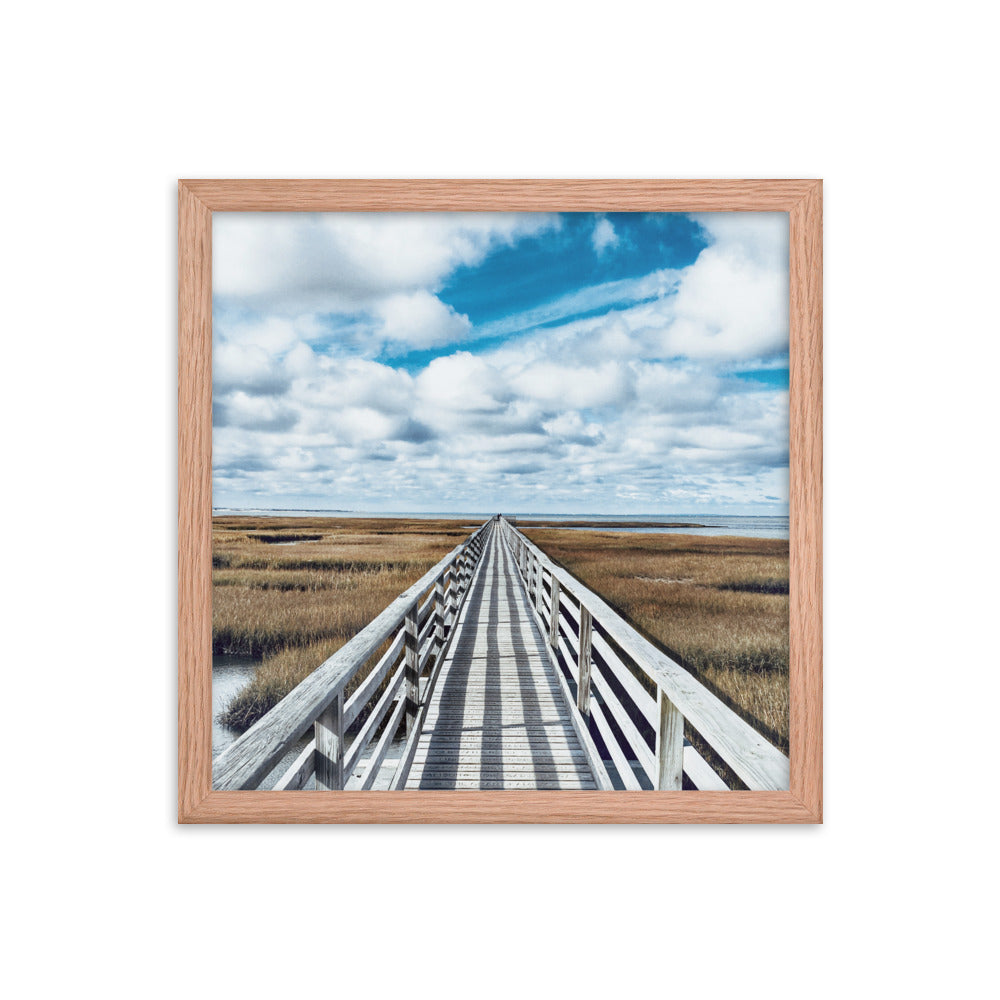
718, 605
295, 605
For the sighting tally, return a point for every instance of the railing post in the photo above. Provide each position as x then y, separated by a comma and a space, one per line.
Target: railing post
439, 612
450, 606
540, 592
554, 619
329, 732
669, 747
411, 678
583, 687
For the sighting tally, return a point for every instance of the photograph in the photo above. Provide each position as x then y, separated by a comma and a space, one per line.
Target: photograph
500, 501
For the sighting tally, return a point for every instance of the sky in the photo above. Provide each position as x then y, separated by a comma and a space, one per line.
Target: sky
572, 363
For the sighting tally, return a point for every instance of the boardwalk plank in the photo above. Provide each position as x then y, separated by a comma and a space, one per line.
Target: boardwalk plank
498, 718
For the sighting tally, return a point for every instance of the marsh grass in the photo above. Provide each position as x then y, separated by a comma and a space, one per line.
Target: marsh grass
284, 538
296, 606
718, 605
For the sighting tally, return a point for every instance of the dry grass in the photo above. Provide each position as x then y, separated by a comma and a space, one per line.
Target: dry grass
718, 605
295, 605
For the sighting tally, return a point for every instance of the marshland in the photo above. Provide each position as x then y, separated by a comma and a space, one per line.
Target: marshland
289, 591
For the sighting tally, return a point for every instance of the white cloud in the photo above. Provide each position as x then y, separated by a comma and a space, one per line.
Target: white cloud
419, 319
341, 260
254, 412
247, 367
731, 303
607, 384
603, 236
631, 408
462, 383
569, 426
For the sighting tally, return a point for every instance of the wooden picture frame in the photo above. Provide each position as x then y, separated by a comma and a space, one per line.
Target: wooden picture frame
198, 200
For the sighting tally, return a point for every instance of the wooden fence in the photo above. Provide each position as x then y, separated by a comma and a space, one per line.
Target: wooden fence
420, 624
631, 698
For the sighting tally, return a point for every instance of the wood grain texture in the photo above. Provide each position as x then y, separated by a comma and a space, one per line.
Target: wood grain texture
500, 807
499, 195
806, 499
194, 501
197, 802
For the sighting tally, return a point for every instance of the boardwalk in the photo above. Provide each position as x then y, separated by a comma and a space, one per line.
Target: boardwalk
497, 718
498, 669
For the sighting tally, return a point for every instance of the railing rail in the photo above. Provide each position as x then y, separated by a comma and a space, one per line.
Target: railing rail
418, 633
600, 653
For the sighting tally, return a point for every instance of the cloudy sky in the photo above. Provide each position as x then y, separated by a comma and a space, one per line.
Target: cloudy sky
573, 363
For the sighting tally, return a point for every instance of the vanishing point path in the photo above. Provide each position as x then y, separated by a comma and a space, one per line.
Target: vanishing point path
497, 718
498, 669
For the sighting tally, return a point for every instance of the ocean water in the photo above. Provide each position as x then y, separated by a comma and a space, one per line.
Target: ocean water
712, 524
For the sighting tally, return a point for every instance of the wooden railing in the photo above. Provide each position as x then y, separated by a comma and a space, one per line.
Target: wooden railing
630, 698
420, 624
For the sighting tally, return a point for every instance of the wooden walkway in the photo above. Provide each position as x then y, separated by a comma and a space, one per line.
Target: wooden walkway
497, 718
499, 669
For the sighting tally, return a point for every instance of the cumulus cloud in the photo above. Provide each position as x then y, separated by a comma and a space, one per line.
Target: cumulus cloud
615, 396
733, 301
343, 260
463, 383
248, 368
606, 384
420, 320
239, 409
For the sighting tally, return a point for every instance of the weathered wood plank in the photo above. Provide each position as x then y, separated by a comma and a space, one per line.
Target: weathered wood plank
701, 774
641, 698
374, 719
501, 738
411, 670
303, 768
329, 739
637, 744
554, 615
500, 768
506, 785
583, 683
474, 756
354, 705
669, 747
622, 763
375, 764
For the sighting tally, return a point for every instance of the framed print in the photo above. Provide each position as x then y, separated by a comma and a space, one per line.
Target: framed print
500, 501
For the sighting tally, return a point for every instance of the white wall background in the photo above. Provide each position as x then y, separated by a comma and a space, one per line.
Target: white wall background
107, 104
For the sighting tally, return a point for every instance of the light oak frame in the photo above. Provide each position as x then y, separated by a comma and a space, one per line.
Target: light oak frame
198, 200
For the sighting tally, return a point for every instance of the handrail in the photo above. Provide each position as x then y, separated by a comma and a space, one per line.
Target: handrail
573, 639
318, 700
